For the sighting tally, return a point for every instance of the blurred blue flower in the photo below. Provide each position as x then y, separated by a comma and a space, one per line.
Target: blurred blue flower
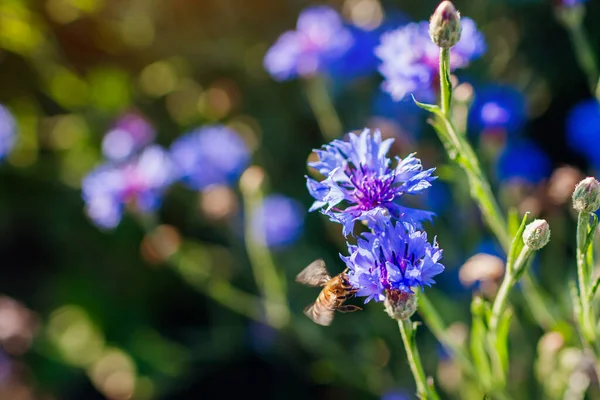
320, 37
139, 183
8, 132
410, 60
278, 221
523, 160
395, 259
583, 130
395, 394
210, 155
497, 108
130, 133
361, 184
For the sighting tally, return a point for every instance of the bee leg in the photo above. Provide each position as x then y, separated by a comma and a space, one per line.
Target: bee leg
348, 308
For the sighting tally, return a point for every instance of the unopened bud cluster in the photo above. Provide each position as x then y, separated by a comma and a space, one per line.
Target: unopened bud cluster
444, 25
586, 196
399, 304
537, 234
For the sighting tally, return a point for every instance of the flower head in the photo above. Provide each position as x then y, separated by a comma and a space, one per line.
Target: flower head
410, 60
8, 132
320, 37
536, 234
444, 25
278, 220
139, 182
392, 262
362, 184
210, 155
586, 196
130, 133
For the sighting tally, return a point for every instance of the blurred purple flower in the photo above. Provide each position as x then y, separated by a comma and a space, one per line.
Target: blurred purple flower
279, 220
8, 132
210, 155
139, 182
583, 130
396, 259
360, 59
523, 160
320, 37
410, 60
130, 133
497, 108
361, 184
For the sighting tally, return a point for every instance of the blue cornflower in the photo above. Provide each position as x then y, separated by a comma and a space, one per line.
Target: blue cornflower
278, 220
8, 132
210, 155
392, 262
410, 60
583, 130
497, 108
361, 183
130, 133
139, 183
523, 160
320, 38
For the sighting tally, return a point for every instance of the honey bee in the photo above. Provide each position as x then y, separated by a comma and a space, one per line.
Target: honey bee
335, 291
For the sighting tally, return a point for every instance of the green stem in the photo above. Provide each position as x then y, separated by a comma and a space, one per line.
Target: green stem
424, 390
462, 153
583, 275
269, 281
445, 83
513, 272
322, 106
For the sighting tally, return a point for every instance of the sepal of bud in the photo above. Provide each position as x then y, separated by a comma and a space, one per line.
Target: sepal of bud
586, 196
444, 25
537, 234
400, 305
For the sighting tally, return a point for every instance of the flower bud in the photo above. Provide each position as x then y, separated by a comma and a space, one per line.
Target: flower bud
537, 234
586, 196
444, 25
399, 304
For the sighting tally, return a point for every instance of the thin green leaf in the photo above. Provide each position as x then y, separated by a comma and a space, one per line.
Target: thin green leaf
594, 288
516, 245
477, 343
502, 338
429, 107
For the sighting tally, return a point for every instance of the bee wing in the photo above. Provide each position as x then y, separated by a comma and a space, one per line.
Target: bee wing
314, 275
323, 316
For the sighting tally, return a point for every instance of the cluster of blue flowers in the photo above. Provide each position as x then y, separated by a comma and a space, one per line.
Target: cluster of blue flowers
361, 183
137, 173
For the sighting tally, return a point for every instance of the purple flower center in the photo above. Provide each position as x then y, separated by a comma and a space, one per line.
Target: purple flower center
371, 190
